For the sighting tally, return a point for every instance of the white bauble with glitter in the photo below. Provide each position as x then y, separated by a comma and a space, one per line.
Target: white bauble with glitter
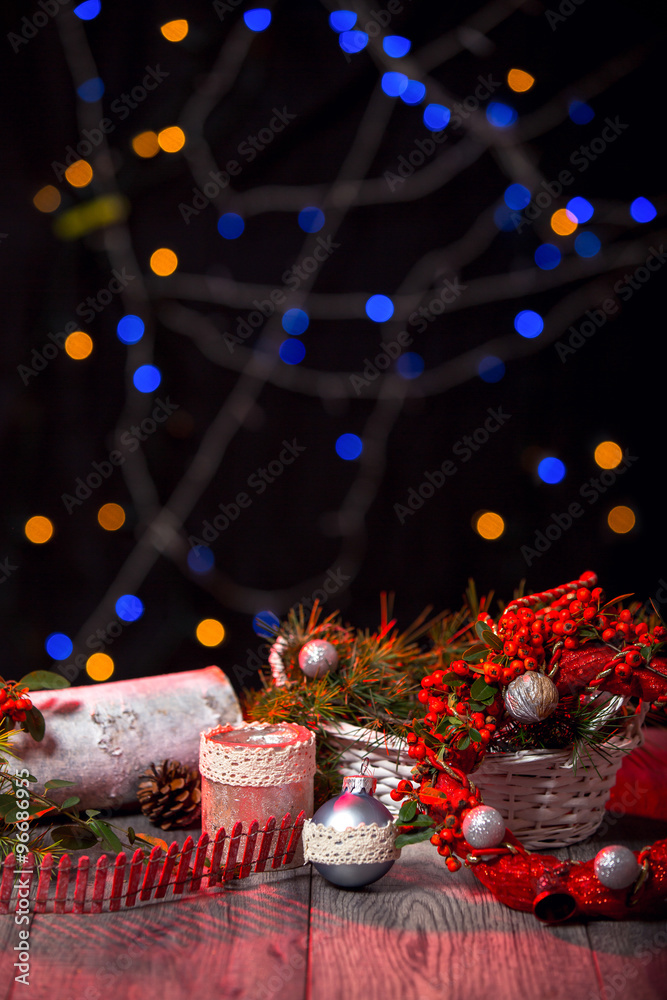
483, 827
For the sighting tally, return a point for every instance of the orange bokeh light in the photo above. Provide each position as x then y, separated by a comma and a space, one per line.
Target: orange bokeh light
563, 222
79, 174
47, 199
519, 81
146, 145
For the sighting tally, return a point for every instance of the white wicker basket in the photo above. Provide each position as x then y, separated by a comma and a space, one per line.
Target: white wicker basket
545, 800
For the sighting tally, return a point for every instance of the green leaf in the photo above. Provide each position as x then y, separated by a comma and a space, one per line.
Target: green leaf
73, 800
464, 743
416, 837
72, 837
34, 724
407, 812
7, 802
475, 736
453, 680
476, 651
481, 691
106, 834
90, 813
131, 835
43, 680
422, 820
58, 783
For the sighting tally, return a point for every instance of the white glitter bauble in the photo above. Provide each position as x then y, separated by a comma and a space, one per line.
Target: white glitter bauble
616, 867
531, 697
317, 658
483, 827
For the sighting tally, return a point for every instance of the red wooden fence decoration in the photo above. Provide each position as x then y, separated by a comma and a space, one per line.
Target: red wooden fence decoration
265, 845
183, 866
100, 884
7, 883
81, 884
216, 857
62, 884
200, 857
42, 894
282, 841
167, 868
117, 883
136, 864
150, 878
251, 837
295, 837
229, 871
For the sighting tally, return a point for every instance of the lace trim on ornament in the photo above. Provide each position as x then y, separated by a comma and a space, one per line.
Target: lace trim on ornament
256, 765
359, 845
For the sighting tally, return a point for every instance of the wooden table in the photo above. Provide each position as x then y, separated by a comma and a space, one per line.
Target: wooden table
420, 933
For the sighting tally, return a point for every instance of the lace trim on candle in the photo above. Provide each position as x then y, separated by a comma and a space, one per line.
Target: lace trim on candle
359, 845
257, 765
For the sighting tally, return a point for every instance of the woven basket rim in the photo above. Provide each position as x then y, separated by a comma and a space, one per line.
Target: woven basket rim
363, 734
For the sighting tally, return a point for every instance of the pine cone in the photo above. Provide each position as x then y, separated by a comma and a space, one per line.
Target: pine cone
170, 794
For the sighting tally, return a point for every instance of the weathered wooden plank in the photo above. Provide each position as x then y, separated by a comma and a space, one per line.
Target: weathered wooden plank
9, 939
248, 941
423, 932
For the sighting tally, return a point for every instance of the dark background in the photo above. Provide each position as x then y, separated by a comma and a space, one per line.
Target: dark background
322, 513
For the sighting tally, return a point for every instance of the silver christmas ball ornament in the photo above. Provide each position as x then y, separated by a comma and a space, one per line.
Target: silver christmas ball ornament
531, 697
318, 657
616, 867
483, 827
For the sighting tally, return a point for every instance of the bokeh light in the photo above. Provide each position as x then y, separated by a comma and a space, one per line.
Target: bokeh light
393, 84
38, 529
258, 18
580, 112
410, 365
563, 222
489, 525
146, 145
352, 41
580, 208
414, 93
175, 31
516, 196
266, 624
147, 378
292, 352
608, 455
436, 117
379, 308
171, 139
500, 115
163, 262
506, 219
642, 210
78, 345
230, 225
88, 10
79, 174
91, 90
111, 516
210, 632
519, 81
528, 323
491, 369
342, 20
551, 470
47, 199
58, 645
621, 519
99, 667
130, 329
129, 608
547, 256
200, 559
295, 321
396, 46
311, 219
349, 446
587, 245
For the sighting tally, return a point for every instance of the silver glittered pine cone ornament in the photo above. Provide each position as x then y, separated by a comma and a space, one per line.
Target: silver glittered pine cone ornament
318, 657
531, 697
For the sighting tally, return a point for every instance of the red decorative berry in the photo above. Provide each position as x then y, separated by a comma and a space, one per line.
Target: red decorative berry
623, 671
633, 658
608, 634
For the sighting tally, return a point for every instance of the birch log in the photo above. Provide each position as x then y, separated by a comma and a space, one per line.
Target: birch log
103, 737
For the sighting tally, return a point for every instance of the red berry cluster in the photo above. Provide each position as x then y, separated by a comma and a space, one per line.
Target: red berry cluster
437, 693
13, 703
448, 836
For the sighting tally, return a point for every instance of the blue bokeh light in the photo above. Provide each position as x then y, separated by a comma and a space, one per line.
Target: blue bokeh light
393, 84
88, 10
342, 20
501, 115
146, 378
349, 446
311, 219
551, 470
91, 90
201, 560
129, 608
491, 369
353, 41
58, 646
258, 18
587, 244
580, 113
505, 219
379, 308
130, 329
292, 352
642, 210
436, 117
517, 197
266, 624
581, 209
230, 225
295, 322
410, 365
528, 323
547, 256
396, 46
414, 93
